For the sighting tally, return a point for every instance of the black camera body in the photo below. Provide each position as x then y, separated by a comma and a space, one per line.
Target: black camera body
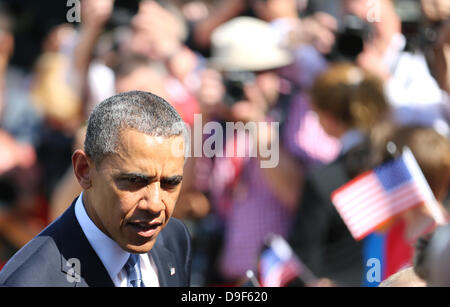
234, 83
352, 33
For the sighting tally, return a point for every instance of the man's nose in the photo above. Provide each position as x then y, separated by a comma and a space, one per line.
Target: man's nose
151, 200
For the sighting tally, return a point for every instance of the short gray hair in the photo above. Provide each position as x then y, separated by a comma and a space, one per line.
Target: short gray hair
138, 110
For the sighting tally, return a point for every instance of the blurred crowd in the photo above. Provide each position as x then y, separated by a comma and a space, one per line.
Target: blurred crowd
344, 79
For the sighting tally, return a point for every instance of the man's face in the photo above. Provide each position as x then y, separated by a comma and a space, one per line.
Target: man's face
259, 95
133, 192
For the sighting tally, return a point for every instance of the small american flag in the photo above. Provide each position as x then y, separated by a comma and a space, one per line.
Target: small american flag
278, 265
376, 196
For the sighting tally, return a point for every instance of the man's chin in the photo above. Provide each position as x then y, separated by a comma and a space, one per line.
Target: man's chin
139, 243
139, 248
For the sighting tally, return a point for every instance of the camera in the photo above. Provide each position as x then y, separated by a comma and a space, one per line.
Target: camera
352, 33
419, 34
234, 83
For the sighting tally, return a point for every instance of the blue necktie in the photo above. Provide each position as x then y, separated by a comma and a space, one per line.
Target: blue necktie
133, 269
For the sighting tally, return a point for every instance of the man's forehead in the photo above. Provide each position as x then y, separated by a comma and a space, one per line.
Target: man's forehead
135, 146
133, 137
124, 166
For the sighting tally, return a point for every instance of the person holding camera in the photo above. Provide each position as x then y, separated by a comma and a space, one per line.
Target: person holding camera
411, 89
244, 86
437, 33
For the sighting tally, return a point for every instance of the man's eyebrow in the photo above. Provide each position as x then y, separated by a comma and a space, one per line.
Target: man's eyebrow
172, 179
135, 175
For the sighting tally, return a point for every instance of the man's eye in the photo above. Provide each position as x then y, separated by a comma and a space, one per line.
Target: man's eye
133, 179
170, 184
167, 186
131, 183
137, 181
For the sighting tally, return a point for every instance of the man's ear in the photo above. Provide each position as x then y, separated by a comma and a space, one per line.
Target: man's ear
82, 168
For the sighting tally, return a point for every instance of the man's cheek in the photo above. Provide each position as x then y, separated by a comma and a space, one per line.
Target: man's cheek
170, 207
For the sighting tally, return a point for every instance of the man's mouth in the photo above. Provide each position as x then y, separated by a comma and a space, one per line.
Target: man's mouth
145, 229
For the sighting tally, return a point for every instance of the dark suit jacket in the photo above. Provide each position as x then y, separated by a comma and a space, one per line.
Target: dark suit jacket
45, 260
319, 235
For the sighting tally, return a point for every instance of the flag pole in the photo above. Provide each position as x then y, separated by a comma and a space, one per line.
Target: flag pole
251, 276
431, 203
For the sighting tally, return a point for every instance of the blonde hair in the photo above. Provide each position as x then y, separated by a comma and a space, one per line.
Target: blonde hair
351, 95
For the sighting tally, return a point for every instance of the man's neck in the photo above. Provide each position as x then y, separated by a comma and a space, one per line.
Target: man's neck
91, 212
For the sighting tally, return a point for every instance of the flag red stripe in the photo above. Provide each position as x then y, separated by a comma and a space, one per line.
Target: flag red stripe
351, 203
371, 205
384, 205
365, 202
409, 193
358, 187
374, 228
385, 214
356, 194
368, 212
344, 187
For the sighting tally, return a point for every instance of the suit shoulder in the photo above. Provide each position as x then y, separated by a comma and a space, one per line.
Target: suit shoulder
176, 237
177, 228
176, 224
32, 263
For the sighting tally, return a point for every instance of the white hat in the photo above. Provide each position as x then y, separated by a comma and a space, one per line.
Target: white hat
246, 43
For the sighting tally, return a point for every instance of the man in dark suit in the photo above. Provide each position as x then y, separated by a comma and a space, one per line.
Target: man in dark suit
118, 232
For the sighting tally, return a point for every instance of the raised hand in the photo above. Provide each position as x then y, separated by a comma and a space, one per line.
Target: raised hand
161, 30
95, 13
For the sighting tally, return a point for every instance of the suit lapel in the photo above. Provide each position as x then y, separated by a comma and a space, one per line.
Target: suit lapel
165, 262
75, 247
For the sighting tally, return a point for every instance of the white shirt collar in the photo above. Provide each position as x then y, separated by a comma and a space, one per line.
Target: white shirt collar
110, 253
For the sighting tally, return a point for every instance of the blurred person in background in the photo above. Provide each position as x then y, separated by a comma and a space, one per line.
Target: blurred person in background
60, 85
313, 28
159, 32
307, 39
435, 35
412, 91
53, 95
67, 187
65, 87
432, 152
22, 212
437, 254
351, 104
92, 78
301, 133
245, 86
394, 244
